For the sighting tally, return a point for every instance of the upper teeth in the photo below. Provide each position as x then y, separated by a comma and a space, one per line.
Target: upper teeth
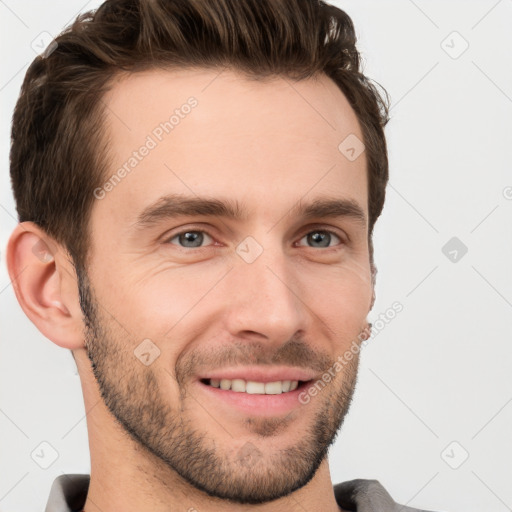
255, 388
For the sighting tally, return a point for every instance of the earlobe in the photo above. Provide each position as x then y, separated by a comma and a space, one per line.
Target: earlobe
41, 277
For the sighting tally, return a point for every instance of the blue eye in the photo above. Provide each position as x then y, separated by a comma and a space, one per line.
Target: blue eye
191, 239
321, 237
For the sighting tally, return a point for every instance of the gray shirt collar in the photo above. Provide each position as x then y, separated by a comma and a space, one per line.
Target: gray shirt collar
69, 491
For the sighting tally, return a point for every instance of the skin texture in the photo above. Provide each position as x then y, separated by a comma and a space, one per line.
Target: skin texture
157, 440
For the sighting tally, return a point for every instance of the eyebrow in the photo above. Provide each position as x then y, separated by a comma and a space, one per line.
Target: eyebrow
174, 205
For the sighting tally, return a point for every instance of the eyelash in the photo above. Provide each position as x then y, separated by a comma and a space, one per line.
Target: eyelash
316, 230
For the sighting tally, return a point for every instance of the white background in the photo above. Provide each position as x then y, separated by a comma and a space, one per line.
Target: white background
441, 370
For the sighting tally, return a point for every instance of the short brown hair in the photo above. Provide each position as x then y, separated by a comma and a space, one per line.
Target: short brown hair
58, 150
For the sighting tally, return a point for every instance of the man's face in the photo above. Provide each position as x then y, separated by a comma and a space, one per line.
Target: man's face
177, 299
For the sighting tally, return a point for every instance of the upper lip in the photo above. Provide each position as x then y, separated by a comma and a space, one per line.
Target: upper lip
260, 373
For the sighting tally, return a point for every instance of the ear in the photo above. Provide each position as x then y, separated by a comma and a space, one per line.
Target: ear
373, 276
44, 281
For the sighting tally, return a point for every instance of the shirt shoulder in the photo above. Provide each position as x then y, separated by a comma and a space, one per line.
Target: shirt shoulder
68, 493
368, 496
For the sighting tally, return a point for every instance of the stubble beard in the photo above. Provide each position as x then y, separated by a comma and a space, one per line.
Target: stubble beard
244, 474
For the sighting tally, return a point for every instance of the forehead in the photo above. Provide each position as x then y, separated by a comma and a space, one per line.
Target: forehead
212, 132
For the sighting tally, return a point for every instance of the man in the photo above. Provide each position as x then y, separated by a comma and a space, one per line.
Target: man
197, 185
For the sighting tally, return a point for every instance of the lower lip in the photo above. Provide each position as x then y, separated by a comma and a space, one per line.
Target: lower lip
261, 405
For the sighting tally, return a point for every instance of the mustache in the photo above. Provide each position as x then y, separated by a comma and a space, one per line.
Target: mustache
295, 352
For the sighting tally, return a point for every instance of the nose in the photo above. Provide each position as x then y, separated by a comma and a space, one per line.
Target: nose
266, 302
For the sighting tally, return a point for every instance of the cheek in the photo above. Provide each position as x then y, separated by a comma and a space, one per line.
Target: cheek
341, 296
160, 302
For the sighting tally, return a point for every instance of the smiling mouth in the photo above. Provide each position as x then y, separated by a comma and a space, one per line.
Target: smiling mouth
254, 387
